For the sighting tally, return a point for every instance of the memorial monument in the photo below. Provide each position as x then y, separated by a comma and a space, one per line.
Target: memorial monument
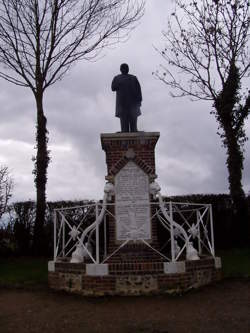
133, 241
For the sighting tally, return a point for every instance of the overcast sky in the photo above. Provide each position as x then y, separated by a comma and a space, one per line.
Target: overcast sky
189, 156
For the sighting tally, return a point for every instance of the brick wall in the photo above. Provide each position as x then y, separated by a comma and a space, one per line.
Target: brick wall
133, 278
142, 144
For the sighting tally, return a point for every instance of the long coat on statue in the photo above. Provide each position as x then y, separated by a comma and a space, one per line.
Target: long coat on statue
128, 95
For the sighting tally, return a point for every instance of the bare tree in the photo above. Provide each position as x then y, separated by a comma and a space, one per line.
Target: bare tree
6, 187
41, 39
207, 56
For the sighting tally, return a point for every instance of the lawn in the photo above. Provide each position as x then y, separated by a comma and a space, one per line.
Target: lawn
235, 263
32, 272
23, 272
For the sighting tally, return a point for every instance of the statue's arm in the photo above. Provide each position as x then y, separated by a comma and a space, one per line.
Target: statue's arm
114, 84
138, 89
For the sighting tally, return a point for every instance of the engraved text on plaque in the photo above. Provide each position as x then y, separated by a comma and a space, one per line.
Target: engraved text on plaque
132, 207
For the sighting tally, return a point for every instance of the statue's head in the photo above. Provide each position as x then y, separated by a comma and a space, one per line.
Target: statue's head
124, 68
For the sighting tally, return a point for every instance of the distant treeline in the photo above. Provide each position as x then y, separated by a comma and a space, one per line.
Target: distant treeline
16, 227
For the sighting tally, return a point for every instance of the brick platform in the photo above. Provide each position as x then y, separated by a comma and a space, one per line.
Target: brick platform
136, 268
134, 278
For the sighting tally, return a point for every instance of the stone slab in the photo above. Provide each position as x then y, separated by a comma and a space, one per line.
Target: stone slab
130, 135
174, 267
51, 266
217, 262
132, 207
136, 137
97, 269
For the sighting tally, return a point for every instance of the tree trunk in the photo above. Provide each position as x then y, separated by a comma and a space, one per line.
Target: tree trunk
235, 160
234, 163
226, 115
40, 171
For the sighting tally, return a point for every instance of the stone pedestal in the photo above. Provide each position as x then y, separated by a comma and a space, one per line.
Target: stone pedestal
130, 159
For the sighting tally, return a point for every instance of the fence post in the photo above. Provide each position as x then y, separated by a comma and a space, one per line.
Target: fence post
54, 221
212, 229
63, 237
172, 231
97, 235
105, 236
199, 230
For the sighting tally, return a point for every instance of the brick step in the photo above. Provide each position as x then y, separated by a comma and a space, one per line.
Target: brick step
133, 254
133, 268
135, 259
129, 247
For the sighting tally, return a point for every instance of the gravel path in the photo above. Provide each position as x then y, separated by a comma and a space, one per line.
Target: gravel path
222, 308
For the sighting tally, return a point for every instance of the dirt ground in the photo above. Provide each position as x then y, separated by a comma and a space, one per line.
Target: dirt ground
223, 307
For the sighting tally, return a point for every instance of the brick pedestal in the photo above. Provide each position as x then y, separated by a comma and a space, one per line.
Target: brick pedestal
120, 148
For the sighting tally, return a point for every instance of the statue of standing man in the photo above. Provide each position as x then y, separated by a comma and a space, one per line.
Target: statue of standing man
128, 99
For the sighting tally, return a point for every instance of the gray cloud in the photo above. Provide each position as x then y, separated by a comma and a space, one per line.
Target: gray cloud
189, 156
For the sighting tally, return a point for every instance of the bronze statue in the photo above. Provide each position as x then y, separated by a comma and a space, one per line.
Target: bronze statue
128, 99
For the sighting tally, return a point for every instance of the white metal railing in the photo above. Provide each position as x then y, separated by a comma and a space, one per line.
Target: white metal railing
80, 233
191, 228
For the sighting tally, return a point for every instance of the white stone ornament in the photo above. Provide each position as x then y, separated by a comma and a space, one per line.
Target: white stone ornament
81, 253
77, 255
109, 189
177, 248
74, 233
154, 188
130, 154
192, 253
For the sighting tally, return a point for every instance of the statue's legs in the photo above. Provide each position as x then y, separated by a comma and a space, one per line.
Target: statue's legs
124, 124
133, 124
128, 123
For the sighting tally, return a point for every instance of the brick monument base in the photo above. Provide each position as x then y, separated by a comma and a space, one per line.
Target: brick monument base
131, 278
133, 264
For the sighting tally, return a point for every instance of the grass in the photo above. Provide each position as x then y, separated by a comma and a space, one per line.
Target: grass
23, 272
235, 262
32, 272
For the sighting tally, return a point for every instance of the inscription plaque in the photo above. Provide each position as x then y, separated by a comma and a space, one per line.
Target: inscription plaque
132, 207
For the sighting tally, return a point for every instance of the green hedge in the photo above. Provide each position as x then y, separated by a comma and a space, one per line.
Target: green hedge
16, 235
223, 216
